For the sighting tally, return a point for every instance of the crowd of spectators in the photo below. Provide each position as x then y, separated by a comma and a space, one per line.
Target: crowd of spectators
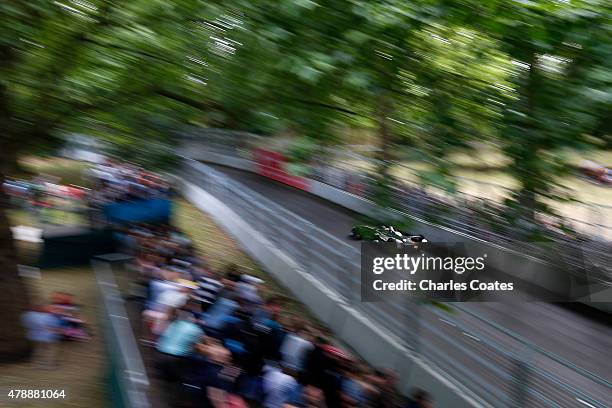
119, 181
44, 196
111, 182
221, 340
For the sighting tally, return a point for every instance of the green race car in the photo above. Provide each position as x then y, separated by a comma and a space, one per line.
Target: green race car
384, 233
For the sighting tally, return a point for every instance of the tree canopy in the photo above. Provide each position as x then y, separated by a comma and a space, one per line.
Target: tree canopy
532, 76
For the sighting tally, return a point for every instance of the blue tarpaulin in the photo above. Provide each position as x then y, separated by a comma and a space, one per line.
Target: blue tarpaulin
156, 210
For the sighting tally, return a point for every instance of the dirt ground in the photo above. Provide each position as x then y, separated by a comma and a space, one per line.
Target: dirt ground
81, 368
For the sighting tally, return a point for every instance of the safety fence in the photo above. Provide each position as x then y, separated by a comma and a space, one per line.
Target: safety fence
496, 365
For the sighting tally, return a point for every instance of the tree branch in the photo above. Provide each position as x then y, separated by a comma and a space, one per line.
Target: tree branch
204, 106
327, 106
130, 50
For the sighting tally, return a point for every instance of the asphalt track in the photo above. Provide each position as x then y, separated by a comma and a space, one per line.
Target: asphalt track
577, 334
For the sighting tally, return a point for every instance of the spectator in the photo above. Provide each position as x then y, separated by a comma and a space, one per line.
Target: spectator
176, 344
354, 392
209, 287
296, 345
43, 329
248, 290
177, 294
322, 371
266, 322
279, 386
71, 325
384, 394
217, 316
420, 399
212, 376
181, 335
309, 397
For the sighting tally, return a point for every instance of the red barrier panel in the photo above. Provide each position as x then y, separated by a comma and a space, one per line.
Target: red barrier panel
272, 164
356, 187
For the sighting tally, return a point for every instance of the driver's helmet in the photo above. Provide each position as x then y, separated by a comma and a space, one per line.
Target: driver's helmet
395, 232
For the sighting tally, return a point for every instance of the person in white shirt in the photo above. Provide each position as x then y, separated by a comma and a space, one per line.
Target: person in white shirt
278, 386
296, 346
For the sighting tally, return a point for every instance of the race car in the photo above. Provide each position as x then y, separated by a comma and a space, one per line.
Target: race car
384, 233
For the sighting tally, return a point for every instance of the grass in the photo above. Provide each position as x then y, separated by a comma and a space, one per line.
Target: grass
486, 165
81, 370
21, 216
68, 171
594, 201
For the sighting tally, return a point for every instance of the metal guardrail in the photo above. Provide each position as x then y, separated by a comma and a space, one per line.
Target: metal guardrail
503, 370
222, 140
128, 377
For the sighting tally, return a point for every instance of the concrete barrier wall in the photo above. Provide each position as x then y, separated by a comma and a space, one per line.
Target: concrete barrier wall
369, 340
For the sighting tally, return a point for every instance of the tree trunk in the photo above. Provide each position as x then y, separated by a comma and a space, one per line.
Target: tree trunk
530, 176
14, 298
385, 135
382, 191
527, 200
